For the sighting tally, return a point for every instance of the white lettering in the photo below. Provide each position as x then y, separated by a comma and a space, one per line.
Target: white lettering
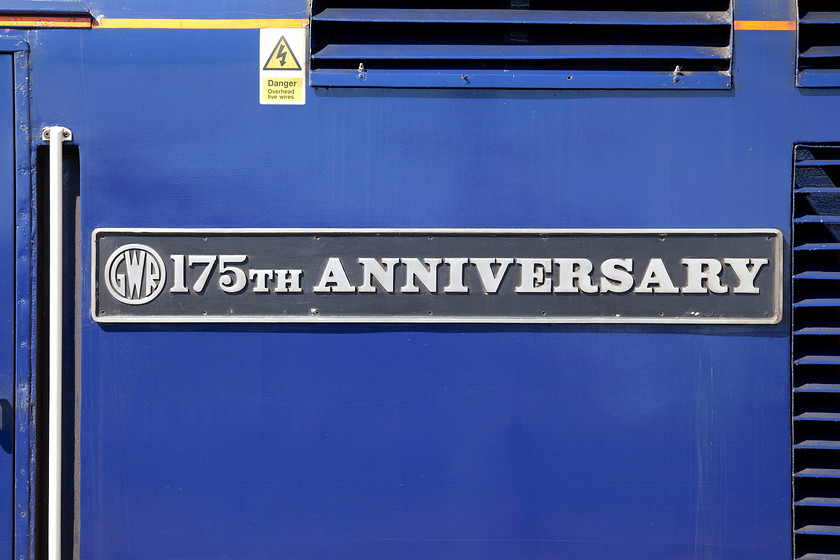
489, 280
746, 276
334, 279
535, 278
262, 276
415, 270
574, 277
383, 273
616, 275
178, 277
152, 276
656, 273
288, 281
703, 271
134, 264
456, 276
237, 280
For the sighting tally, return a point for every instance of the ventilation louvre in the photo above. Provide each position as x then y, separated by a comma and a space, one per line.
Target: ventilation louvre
818, 48
816, 352
634, 44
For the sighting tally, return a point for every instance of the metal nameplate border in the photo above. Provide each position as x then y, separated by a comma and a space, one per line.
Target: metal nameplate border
773, 319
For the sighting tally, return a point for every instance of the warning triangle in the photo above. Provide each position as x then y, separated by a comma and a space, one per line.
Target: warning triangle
281, 57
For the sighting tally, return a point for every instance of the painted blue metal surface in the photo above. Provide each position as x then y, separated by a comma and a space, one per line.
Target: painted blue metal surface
25, 281
818, 78
211, 9
446, 442
50, 7
7, 302
536, 79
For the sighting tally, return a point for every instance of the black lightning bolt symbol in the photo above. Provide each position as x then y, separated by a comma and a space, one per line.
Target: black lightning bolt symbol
281, 55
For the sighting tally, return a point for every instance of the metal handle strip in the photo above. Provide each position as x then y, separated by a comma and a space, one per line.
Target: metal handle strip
56, 135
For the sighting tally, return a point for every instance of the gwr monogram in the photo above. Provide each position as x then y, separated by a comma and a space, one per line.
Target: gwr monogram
135, 274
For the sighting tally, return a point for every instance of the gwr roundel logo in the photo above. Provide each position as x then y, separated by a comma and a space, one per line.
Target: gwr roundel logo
135, 274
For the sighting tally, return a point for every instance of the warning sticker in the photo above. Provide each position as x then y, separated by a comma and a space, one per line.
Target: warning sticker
282, 66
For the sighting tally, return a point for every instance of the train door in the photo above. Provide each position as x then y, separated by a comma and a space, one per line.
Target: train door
7, 236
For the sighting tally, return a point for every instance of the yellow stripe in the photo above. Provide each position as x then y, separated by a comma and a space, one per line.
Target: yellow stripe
120, 23
746, 25
35, 21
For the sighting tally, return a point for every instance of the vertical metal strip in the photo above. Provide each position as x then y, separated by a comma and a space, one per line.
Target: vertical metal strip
24, 294
56, 136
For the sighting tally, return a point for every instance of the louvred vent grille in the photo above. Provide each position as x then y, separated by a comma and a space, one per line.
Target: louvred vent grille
816, 352
522, 43
818, 60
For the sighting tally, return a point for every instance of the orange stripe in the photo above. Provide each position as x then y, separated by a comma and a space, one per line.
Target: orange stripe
765, 25
120, 23
53, 21
126, 23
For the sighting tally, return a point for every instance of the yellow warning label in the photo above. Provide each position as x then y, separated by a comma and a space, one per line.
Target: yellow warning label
282, 63
281, 57
282, 89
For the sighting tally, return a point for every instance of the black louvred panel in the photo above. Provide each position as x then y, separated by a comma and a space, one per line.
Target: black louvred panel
818, 49
522, 44
816, 352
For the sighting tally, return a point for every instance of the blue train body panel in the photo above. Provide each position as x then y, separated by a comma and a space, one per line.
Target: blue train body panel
368, 441
7, 316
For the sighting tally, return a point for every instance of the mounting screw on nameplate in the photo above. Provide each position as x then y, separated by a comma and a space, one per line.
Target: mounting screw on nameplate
66, 135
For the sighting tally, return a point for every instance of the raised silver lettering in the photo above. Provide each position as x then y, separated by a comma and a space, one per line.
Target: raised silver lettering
334, 279
746, 275
134, 266
288, 281
456, 276
657, 274
415, 270
490, 280
383, 273
536, 276
615, 275
573, 276
703, 276
262, 277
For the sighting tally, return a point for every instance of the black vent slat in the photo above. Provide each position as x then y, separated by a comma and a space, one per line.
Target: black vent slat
832, 530
818, 473
817, 219
818, 417
553, 17
832, 51
636, 44
816, 349
818, 163
818, 275
818, 331
817, 190
819, 502
817, 361
820, 17
818, 246
516, 52
818, 444
818, 302
818, 388
818, 49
